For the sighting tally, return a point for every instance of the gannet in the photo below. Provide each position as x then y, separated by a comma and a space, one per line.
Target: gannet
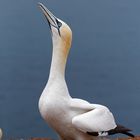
71, 118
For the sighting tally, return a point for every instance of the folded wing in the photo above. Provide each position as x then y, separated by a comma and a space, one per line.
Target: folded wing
97, 120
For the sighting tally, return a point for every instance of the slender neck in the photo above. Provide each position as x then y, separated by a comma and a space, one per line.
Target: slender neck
59, 59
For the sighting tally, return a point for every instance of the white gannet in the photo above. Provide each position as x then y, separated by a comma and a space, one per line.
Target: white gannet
71, 118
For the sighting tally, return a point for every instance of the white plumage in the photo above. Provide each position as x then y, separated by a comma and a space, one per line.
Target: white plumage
71, 118
97, 120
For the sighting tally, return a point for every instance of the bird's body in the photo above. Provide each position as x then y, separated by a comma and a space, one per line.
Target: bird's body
60, 119
61, 113
71, 118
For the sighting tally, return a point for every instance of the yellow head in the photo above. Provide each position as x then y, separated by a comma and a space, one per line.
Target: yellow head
61, 32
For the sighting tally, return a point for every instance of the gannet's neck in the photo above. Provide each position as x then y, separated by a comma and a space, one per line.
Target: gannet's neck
59, 59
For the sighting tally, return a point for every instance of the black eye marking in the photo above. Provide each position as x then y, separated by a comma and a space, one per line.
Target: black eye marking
59, 31
59, 23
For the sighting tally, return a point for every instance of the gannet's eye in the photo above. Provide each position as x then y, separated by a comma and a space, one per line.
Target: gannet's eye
59, 23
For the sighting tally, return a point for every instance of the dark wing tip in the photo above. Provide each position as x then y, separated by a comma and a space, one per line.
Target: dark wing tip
129, 134
121, 129
93, 133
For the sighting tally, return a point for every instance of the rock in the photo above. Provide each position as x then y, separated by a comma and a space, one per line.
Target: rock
98, 138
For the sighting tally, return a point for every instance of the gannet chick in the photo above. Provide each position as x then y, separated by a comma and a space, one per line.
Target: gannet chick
71, 118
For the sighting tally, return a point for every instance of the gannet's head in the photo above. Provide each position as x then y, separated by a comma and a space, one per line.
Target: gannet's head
60, 30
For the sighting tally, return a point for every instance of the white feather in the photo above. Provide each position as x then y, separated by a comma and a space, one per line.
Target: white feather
97, 120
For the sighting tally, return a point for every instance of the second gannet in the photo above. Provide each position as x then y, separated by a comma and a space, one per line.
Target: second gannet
71, 118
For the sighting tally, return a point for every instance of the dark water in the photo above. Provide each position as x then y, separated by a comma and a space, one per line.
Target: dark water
103, 66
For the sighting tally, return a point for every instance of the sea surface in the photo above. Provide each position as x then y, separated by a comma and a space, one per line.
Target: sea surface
103, 65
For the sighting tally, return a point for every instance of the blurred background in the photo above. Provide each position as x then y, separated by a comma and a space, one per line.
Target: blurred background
103, 65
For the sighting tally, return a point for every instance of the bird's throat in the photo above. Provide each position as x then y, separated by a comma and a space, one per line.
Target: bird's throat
59, 59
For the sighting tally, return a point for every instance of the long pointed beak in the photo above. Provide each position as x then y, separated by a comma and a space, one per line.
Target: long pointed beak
52, 20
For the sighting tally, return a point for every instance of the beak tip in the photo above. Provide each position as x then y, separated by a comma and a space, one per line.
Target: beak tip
40, 4
50, 17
